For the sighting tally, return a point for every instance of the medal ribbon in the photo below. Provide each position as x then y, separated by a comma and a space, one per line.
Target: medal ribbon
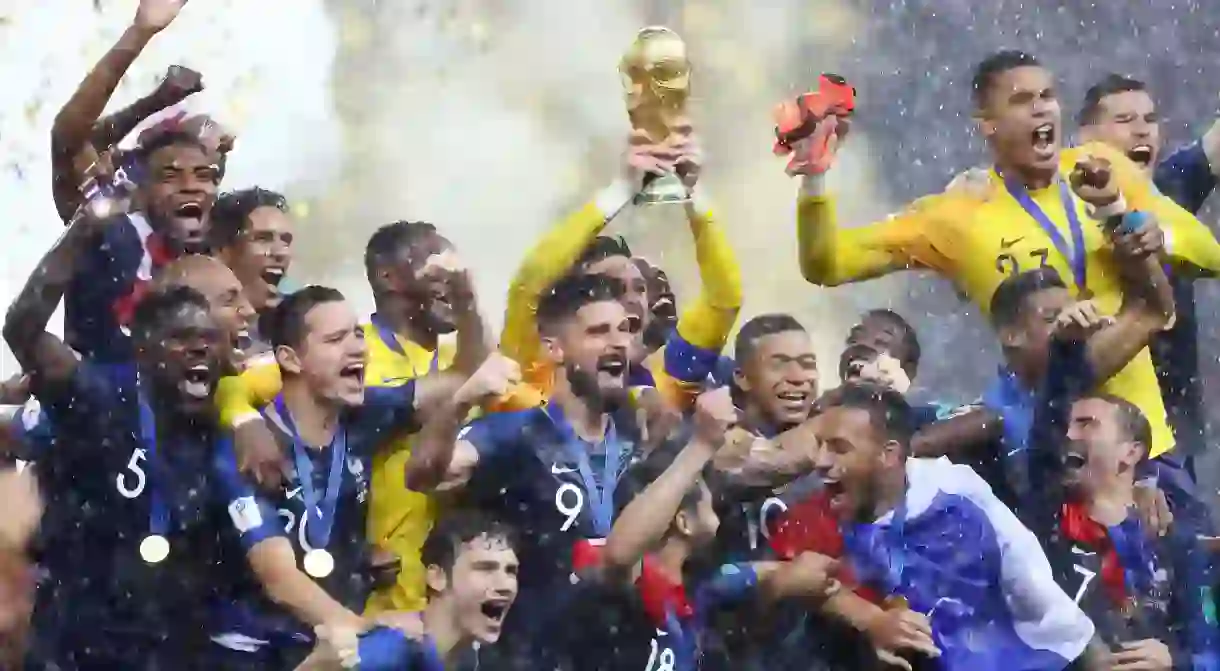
318, 532
601, 498
1075, 255
390, 339
158, 511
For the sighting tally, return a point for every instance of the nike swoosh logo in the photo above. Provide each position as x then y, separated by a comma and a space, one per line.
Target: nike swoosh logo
293, 492
1005, 244
556, 469
1078, 551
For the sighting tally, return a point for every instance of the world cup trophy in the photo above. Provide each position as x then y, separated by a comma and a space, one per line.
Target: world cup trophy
656, 79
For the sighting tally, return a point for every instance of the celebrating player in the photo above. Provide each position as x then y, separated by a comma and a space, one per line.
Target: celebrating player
128, 533
472, 571
575, 245
1030, 217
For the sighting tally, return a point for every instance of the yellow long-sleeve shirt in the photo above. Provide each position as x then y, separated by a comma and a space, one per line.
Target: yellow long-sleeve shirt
978, 241
703, 326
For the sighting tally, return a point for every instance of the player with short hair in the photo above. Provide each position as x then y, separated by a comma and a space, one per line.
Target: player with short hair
305, 546
472, 566
932, 537
679, 371
550, 471
128, 536
252, 231
1043, 207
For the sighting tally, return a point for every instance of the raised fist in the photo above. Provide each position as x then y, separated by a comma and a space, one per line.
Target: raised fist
1093, 180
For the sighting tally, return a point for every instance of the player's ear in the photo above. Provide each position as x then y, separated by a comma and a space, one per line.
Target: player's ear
985, 125
1011, 338
553, 349
892, 453
288, 359
740, 379
436, 579
684, 524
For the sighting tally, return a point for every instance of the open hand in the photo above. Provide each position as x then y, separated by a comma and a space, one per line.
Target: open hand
155, 15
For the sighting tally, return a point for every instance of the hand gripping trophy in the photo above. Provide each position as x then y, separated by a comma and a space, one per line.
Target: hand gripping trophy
656, 77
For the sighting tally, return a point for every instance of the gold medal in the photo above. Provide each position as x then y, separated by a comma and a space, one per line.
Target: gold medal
154, 549
319, 563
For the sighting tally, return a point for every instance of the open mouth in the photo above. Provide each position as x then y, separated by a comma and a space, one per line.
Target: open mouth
243, 340
836, 494
1141, 154
495, 610
197, 382
634, 323
353, 372
273, 276
793, 399
189, 211
1073, 461
1044, 138
614, 365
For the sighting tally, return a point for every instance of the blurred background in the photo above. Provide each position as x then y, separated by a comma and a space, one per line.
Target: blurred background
492, 119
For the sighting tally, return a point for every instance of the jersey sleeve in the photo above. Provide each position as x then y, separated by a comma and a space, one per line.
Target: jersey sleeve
1193, 603
498, 438
706, 323
94, 299
239, 396
87, 404
1187, 240
1044, 616
548, 261
831, 255
251, 518
386, 410
1185, 176
386, 649
732, 584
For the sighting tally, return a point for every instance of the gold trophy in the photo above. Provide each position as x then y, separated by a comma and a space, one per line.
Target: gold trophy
656, 77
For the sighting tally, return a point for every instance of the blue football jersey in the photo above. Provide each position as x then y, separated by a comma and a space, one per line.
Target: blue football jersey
246, 615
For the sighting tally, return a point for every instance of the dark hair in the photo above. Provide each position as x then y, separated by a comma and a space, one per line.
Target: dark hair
758, 328
1131, 419
644, 472
909, 339
989, 69
160, 141
1109, 85
888, 410
156, 307
231, 213
1009, 298
387, 242
574, 292
603, 247
285, 325
457, 528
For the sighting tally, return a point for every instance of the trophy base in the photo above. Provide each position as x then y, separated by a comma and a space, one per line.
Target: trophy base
663, 189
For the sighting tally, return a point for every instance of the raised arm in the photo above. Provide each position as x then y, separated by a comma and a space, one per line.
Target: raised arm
555, 254
45, 357
768, 463
433, 457
73, 127
650, 514
1148, 308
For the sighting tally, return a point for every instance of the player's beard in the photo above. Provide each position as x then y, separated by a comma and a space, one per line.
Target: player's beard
584, 386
